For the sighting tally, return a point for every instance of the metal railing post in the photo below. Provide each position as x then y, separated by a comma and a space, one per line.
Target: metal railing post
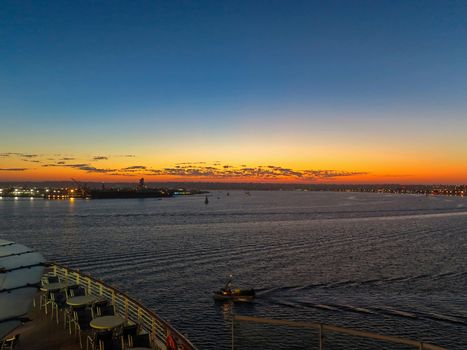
153, 328
321, 337
126, 307
233, 333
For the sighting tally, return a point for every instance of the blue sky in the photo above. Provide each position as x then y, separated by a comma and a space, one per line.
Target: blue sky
86, 55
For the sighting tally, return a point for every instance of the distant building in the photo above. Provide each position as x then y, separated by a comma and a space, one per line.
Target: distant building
141, 185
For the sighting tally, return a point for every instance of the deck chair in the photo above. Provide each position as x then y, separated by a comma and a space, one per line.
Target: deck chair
100, 341
9, 343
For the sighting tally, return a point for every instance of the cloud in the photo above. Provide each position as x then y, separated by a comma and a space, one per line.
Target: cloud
81, 166
214, 171
190, 163
91, 169
122, 174
13, 169
86, 167
67, 158
326, 174
17, 154
135, 167
258, 172
225, 171
62, 164
78, 166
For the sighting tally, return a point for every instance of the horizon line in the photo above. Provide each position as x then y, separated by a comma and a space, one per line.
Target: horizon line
244, 183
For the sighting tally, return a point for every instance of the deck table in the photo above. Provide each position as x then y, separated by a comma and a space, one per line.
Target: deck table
82, 300
107, 322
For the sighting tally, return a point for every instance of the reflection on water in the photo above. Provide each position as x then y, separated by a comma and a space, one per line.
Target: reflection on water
396, 264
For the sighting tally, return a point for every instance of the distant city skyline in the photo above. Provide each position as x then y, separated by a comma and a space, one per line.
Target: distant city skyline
246, 91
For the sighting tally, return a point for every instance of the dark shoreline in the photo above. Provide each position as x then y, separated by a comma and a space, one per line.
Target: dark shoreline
434, 189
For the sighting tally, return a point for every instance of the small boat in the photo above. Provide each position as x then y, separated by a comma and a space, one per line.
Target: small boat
236, 294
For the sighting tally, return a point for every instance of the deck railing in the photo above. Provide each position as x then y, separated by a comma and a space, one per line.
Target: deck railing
159, 330
149, 322
323, 329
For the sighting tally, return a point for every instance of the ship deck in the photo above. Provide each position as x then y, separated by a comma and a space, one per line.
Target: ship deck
42, 333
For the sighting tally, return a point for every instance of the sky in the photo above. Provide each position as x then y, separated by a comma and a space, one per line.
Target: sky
243, 91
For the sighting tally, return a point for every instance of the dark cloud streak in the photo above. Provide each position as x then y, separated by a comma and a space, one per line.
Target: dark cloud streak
17, 154
224, 172
13, 169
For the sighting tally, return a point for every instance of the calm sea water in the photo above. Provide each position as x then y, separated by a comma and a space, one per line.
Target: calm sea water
387, 263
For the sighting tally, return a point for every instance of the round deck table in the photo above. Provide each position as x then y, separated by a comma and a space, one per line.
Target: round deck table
107, 322
82, 300
54, 286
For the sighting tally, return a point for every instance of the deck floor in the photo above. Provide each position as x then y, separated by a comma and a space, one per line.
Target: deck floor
42, 333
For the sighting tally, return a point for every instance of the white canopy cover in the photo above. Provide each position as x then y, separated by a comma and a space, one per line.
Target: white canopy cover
21, 270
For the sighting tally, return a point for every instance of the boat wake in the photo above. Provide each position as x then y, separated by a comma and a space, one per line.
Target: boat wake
373, 310
355, 283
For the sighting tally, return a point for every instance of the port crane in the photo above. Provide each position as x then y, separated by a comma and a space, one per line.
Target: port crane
81, 188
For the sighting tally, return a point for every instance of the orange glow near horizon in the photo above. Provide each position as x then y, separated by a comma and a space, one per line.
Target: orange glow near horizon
283, 153
29, 167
